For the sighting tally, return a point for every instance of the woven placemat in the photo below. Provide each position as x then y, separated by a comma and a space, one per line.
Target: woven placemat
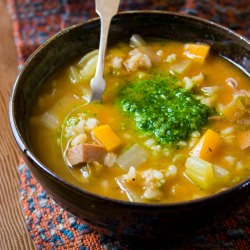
50, 226
34, 21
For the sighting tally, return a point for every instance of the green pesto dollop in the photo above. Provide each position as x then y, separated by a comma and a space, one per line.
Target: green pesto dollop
161, 108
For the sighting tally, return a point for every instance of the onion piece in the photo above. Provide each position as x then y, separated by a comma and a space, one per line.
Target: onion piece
131, 194
133, 156
74, 74
53, 117
86, 58
137, 41
180, 67
88, 71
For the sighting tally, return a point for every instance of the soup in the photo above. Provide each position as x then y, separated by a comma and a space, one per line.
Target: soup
174, 123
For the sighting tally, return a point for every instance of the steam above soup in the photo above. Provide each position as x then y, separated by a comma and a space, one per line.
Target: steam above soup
174, 124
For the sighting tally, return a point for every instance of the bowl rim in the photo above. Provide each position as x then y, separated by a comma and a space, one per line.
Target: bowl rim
31, 156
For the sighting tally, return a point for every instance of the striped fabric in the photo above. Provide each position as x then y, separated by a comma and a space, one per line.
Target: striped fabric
35, 21
51, 227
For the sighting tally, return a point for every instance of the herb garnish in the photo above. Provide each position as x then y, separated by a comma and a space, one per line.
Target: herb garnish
163, 109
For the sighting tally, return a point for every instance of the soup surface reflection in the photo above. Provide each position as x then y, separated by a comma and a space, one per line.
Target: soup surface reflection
174, 123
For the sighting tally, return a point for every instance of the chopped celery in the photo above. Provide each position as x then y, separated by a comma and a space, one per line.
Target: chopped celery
205, 174
200, 172
222, 175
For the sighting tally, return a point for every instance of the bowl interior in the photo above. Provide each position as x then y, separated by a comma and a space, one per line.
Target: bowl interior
82, 38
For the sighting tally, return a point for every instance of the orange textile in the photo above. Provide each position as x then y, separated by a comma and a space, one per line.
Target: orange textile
50, 226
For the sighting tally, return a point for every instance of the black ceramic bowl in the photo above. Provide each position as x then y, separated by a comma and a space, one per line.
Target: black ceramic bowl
121, 219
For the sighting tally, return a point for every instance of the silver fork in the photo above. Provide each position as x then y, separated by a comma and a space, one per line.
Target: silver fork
106, 9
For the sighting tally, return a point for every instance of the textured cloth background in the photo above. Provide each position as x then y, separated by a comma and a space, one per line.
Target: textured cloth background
36, 20
51, 227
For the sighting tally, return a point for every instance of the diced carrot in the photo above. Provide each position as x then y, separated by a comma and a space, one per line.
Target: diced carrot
105, 135
243, 139
207, 146
196, 52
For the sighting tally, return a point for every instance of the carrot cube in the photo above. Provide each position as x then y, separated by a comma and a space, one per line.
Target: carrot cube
196, 52
105, 135
207, 146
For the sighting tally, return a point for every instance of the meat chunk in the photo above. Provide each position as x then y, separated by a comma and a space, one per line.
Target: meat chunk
86, 152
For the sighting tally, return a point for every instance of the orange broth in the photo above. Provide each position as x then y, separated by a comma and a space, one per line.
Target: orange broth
51, 147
